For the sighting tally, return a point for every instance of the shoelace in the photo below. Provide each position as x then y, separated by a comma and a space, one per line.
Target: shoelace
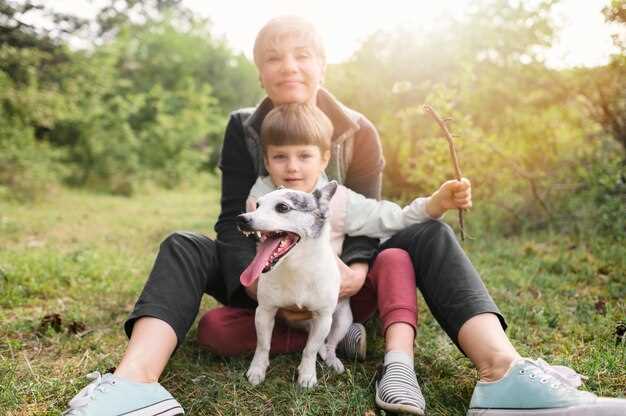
81, 400
563, 375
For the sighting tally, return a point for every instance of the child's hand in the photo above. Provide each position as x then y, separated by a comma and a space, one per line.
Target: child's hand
451, 195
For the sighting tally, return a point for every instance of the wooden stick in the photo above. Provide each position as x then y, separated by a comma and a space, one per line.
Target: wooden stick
457, 169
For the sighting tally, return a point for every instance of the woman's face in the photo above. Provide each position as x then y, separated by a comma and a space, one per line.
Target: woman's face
290, 70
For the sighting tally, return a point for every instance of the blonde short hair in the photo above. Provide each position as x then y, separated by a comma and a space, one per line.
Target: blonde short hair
297, 123
280, 27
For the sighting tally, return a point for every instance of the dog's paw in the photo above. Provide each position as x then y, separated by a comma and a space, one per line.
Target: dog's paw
307, 380
335, 363
255, 375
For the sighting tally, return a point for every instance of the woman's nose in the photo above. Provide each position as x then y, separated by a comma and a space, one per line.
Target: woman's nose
289, 64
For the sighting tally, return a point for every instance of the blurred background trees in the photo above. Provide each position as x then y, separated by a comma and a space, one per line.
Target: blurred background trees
147, 100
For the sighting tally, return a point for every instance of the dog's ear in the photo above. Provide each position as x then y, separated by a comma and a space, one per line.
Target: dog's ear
324, 195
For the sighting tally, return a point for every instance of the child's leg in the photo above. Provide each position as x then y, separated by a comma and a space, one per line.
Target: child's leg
393, 277
230, 331
390, 287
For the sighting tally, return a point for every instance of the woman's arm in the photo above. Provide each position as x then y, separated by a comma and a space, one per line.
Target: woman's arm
235, 250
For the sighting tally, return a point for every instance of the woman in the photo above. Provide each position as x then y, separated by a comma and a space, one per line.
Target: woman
291, 63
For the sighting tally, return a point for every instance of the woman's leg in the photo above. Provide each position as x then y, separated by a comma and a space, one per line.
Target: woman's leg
455, 294
484, 342
459, 301
186, 266
144, 359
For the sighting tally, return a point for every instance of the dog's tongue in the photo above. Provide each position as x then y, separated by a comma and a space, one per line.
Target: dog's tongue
263, 253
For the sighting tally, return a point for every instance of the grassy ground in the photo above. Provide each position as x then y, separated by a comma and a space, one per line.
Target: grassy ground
85, 257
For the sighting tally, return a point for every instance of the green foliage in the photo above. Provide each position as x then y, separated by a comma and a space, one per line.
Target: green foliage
148, 101
28, 106
528, 137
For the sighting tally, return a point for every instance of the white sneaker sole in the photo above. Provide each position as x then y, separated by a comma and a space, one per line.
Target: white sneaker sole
398, 408
602, 407
168, 407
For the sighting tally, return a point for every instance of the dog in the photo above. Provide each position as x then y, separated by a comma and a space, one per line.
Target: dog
296, 265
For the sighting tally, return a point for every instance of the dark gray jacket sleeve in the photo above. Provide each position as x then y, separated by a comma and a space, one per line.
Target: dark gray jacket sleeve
365, 177
234, 250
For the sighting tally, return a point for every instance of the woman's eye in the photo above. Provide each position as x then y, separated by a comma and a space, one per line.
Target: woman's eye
278, 157
282, 208
303, 54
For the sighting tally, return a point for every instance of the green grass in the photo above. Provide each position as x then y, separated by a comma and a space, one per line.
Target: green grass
85, 257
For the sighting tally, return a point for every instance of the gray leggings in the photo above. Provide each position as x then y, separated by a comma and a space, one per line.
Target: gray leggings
187, 266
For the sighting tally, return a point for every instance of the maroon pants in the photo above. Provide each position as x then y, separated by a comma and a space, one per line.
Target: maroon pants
389, 287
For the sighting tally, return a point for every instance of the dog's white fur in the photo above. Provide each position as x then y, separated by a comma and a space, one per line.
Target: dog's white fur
307, 276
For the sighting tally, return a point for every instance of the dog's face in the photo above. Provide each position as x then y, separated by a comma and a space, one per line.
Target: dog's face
282, 219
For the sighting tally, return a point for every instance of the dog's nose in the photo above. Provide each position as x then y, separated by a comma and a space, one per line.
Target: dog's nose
243, 222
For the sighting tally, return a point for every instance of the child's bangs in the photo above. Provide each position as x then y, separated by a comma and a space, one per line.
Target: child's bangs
294, 131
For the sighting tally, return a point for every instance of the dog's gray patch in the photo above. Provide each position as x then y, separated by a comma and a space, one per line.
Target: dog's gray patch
300, 201
316, 228
305, 203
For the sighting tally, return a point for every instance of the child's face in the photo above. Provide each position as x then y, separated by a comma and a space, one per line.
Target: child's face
296, 166
290, 70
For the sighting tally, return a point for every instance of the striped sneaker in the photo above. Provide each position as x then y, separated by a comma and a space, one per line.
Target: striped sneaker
109, 395
354, 344
397, 389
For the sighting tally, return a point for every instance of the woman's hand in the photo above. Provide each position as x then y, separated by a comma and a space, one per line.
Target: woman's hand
352, 277
451, 195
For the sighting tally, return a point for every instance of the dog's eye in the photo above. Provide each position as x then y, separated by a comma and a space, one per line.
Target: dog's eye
282, 207
257, 205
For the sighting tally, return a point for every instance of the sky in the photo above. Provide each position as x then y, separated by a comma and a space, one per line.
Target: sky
584, 38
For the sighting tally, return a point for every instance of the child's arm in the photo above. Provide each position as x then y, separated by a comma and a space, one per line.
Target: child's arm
382, 219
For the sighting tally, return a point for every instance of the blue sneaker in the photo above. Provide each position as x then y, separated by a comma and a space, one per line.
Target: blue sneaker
109, 395
532, 387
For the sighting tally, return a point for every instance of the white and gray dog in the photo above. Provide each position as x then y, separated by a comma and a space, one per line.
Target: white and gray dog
296, 265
